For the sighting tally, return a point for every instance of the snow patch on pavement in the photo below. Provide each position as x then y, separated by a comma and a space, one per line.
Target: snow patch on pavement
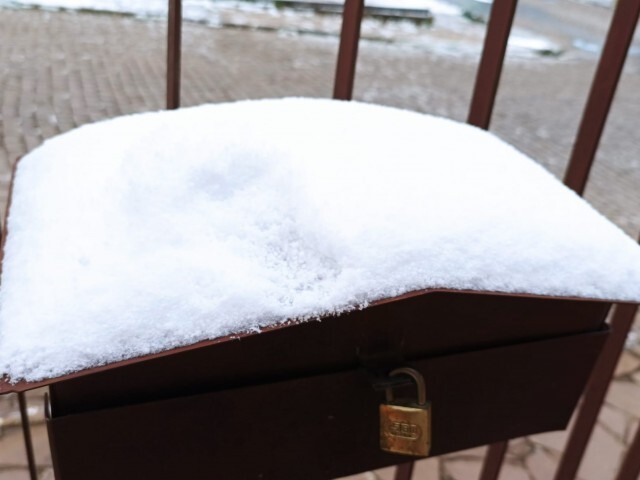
451, 34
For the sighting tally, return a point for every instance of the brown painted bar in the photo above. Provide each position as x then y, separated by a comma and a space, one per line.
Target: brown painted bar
5, 230
174, 53
22, 401
602, 92
52, 442
488, 76
348, 49
601, 95
630, 468
404, 471
26, 433
596, 391
493, 460
482, 102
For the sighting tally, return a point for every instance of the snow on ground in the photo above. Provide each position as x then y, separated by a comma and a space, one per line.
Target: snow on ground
206, 11
434, 6
600, 3
201, 9
139, 7
219, 219
528, 42
452, 34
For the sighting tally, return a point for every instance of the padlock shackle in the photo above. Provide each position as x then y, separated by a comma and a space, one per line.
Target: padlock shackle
417, 377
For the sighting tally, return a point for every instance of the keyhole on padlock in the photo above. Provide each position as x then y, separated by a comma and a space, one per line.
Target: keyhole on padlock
405, 424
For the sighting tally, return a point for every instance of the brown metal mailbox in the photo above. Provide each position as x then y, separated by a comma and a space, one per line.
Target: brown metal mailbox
297, 401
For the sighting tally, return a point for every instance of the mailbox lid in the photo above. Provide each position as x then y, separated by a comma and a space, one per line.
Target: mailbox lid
382, 335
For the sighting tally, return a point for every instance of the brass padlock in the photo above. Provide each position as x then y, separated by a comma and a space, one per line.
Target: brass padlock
405, 425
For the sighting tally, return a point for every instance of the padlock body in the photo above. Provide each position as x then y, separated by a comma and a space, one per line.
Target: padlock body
405, 428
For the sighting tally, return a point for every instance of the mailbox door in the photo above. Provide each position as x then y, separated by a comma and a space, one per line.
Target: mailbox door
325, 425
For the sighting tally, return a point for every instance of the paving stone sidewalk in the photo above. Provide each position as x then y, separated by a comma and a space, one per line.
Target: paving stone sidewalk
61, 70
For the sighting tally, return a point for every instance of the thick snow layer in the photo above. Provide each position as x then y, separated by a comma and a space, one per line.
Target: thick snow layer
151, 231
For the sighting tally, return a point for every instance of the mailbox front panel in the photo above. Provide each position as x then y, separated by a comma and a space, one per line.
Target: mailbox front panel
381, 336
325, 426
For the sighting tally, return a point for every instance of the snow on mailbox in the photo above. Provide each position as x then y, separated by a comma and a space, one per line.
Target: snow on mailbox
238, 280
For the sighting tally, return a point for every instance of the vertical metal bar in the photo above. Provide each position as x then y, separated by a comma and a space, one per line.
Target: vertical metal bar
493, 461
596, 391
630, 469
174, 47
26, 431
348, 49
605, 82
52, 438
602, 92
5, 230
488, 76
482, 102
404, 471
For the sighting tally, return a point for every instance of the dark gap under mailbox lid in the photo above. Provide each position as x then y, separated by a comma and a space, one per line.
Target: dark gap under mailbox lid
297, 401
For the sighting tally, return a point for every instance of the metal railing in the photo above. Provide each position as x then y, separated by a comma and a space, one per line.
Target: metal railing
600, 98
612, 59
603, 87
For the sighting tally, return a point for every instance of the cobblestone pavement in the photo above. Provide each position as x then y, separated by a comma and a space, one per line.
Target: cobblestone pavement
60, 70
